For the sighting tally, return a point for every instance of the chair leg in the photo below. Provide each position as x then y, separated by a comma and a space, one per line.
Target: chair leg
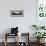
5, 43
5, 40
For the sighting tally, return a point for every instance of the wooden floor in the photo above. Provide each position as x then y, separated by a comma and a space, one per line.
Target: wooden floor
13, 44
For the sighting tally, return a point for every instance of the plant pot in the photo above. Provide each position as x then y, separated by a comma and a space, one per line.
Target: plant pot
40, 41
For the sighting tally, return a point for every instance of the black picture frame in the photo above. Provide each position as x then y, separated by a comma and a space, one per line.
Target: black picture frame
17, 13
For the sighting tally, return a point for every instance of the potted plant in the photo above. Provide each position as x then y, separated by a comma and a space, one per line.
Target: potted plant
42, 27
35, 26
39, 35
38, 27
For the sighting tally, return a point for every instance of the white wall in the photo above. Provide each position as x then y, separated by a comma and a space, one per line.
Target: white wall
24, 23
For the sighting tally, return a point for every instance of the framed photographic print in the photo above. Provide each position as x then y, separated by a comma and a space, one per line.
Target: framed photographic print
41, 8
17, 13
41, 12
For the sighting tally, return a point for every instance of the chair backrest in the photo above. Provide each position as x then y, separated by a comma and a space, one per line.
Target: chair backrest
14, 30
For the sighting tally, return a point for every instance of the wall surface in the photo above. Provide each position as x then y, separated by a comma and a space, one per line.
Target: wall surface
24, 23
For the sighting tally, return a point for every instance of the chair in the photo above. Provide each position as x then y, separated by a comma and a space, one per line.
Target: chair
7, 35
25, 36
14, 32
